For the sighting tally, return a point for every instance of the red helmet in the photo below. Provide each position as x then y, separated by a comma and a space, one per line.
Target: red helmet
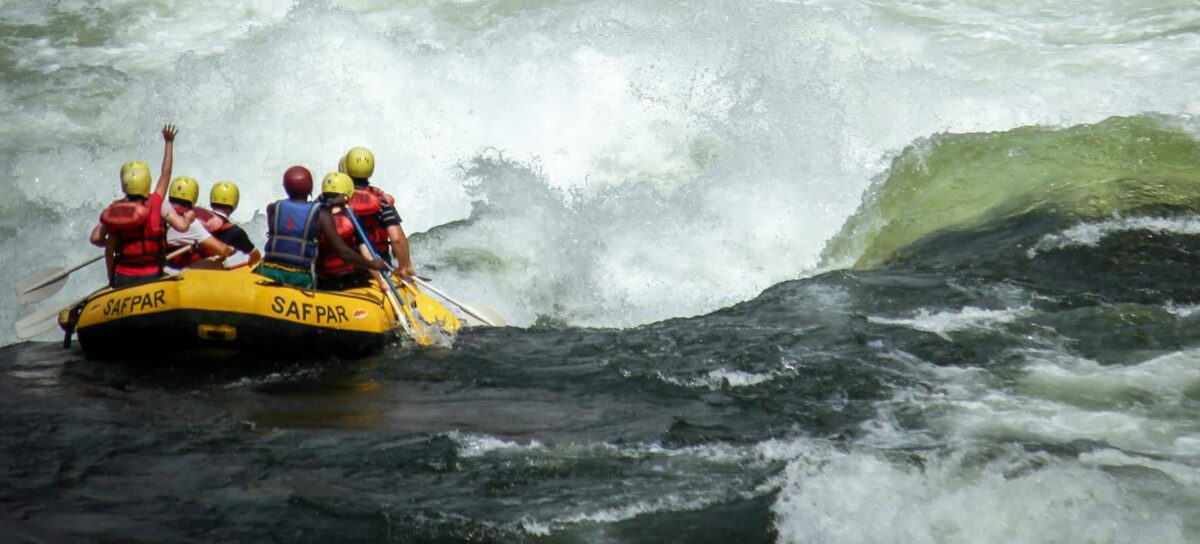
297, 181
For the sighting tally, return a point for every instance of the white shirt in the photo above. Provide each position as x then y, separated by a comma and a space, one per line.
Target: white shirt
195, 233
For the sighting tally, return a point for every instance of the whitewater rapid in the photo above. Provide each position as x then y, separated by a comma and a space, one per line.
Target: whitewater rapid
624, 162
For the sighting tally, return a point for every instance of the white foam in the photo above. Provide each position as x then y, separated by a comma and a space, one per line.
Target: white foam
722, 378
476, 445
933, 466
1184, 311
1183, 474
1057, 398
1160, 383
666, 503
942, 323
686, 478
1090, 234
969, 496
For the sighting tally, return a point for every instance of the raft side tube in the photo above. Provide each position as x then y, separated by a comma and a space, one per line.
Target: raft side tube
239, 309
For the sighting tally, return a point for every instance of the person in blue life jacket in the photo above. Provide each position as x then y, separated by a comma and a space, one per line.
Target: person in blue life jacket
295, 227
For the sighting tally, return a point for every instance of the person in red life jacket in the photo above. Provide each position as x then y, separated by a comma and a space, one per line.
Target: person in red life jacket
133, 230
334, 271
376, 212
223, 199
207, 250
295, 228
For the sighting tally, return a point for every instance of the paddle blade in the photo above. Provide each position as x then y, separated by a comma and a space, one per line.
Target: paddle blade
38, 323
38, 279
490, 313
41, 293
34, 329
491, 317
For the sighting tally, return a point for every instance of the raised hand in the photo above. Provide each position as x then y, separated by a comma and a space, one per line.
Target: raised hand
169, 132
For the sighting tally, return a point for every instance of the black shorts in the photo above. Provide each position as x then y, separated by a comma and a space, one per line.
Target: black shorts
119, 281
349, 280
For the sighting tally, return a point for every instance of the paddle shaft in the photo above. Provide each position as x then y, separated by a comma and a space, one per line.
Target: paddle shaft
390, 294
467, 309
362, 235
177, 252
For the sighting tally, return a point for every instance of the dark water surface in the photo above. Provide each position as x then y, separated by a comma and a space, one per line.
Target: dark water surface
689, 430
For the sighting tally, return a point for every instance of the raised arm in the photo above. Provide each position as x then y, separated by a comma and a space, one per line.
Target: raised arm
180, 222
164, 178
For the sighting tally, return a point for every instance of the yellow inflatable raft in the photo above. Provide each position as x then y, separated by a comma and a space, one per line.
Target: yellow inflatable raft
240, 310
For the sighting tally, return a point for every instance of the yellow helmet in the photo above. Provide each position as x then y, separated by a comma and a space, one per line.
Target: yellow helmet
134, 164
360, 163
342, 164
135, 181
338, 183
184, 188
224, 193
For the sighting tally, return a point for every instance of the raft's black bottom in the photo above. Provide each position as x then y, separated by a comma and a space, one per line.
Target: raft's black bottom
155, 335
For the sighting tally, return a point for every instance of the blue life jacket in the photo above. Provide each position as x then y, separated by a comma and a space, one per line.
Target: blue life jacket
294, 235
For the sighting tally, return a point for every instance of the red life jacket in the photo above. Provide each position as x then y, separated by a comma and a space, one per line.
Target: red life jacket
329, 263
137, 226
367, 203
213, 223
